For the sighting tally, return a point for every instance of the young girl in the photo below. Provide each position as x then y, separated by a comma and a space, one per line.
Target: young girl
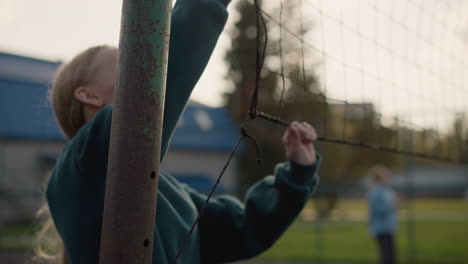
228, 230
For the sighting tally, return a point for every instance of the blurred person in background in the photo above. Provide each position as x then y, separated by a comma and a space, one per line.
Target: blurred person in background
383, 223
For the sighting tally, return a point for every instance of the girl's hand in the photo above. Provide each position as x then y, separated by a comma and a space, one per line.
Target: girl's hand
298, 141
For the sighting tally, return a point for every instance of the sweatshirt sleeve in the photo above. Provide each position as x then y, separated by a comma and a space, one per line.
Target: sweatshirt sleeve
231, 230
195, 29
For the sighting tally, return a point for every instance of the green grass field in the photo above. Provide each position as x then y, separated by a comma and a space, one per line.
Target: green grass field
439, 236
437, 233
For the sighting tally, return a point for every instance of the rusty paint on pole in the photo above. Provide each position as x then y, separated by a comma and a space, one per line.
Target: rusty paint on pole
134, 152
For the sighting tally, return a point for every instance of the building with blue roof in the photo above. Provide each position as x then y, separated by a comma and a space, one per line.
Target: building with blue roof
31, 140
200, 147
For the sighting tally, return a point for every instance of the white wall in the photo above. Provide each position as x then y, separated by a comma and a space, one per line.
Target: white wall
22, 176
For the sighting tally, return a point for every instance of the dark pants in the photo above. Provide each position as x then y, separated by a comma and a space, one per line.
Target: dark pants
386, 248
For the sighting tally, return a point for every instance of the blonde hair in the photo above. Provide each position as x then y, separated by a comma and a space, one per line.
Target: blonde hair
48, 245
80, 71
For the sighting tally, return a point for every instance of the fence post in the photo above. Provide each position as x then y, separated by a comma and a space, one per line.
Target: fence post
134, 152
318, 226
410, 221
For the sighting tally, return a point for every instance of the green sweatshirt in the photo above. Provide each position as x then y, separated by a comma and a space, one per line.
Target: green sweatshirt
229, 230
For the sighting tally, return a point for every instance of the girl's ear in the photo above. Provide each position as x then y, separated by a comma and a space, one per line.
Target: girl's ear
88, 97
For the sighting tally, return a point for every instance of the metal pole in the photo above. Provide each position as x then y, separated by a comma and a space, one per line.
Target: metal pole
319, 244
410, 198
134, 152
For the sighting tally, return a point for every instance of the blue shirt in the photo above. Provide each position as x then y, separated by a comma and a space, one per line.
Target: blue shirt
382, 211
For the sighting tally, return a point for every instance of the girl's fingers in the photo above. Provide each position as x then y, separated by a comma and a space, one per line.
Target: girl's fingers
286, 137
294, 136
307, 131
299, 132
287, 134
312, 132
314, 135
302, 129
298, 142
294, 133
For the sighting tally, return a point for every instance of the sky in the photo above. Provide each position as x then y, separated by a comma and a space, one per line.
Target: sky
408, 57
59, 29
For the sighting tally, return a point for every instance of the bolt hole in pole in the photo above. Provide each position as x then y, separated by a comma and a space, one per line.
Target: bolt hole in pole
146, 243
153, 175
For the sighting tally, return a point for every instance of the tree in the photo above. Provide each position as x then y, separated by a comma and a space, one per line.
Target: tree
296, 97
274, 99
